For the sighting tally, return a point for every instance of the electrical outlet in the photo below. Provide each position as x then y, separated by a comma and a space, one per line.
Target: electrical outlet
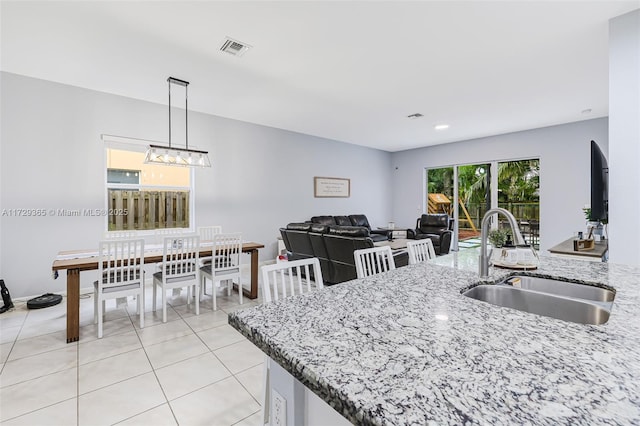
278, 409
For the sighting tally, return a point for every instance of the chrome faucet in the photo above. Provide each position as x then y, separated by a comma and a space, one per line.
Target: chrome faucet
484, 233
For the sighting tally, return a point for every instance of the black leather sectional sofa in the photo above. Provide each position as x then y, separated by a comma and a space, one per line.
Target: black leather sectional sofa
352, 220
333, 245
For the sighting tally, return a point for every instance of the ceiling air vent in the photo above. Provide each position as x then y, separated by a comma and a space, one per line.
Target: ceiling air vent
414, 116
234, 47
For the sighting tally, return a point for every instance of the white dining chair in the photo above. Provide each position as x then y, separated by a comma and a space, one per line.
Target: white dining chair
160, 233
179, 268
225, 265
373, 260
420, 251
120, 274
109, 235
207, 232
206, 236
285, 278
279, 281
127, 235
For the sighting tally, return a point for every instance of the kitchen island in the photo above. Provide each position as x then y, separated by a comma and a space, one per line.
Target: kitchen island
406, 347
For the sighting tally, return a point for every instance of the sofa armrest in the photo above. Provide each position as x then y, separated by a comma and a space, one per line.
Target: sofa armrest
445, 242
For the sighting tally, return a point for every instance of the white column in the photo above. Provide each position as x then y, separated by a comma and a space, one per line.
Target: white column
624, 138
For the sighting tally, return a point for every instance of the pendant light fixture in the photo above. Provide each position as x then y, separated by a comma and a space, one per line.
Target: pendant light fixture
173, 156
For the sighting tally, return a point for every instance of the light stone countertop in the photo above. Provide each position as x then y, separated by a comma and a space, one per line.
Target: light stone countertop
405, 347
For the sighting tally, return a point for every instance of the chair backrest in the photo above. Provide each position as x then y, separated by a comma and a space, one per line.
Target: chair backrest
228, 248
298, 236
342, 220
161, 233
374, 260
420, 251
282, 279
359, 220
181, 254
324, 220
128, 235
434, 223
207, 232
121, 261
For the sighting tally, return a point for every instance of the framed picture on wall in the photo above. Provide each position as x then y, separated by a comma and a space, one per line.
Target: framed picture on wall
330, 187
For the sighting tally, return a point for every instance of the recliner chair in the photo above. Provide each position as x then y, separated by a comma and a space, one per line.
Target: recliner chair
361, 220
436, 227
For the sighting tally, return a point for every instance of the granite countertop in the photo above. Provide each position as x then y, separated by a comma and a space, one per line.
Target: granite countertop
405, 347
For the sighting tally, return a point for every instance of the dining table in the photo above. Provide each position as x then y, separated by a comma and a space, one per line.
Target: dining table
76, 261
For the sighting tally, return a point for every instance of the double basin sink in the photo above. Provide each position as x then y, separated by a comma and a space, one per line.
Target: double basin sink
579, 303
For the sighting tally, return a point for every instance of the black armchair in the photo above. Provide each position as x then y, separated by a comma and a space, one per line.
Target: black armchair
436, 227
361, 220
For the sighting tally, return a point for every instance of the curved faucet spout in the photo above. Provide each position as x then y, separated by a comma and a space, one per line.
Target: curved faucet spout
484, 233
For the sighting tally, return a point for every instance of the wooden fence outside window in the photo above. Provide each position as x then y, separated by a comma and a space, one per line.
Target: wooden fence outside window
140, 210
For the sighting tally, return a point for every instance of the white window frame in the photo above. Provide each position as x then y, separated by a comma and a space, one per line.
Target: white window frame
141, 145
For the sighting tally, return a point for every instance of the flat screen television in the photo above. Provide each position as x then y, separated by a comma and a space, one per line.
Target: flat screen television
599, 185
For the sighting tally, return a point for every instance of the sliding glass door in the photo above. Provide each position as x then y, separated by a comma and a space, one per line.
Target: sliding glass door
519, 192
474, 199
467, 191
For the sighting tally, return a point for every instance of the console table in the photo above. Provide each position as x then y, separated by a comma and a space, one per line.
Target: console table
565, 249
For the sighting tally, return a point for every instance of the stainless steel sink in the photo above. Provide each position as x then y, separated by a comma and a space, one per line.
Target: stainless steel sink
561, 288
551, 298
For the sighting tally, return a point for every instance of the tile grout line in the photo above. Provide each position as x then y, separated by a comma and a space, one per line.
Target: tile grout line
13, 343
224, 365
154, 371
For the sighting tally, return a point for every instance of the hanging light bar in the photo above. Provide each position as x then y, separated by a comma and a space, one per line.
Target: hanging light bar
170, 156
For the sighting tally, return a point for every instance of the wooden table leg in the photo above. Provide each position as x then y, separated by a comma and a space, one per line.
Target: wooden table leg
73, 305
254, 275
253, 293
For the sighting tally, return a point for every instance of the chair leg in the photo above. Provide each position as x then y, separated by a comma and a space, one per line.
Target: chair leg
197, 294
141, 306
213, 295
240, 288
100, 314
203, 287
154, 296
164, 304
95, 307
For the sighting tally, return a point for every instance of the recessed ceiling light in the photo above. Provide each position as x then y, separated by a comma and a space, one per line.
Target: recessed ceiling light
441, 126
586, 111
414, 116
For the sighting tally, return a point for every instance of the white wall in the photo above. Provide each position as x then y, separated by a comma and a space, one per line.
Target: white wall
564, 153
261, 179
624, 138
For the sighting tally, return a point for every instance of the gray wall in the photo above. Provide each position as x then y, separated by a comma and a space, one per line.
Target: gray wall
564, 153
624, 137
262, 178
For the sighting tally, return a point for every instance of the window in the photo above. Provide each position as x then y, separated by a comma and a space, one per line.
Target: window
146, 196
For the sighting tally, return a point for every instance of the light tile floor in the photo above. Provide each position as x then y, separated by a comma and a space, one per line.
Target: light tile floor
192, 370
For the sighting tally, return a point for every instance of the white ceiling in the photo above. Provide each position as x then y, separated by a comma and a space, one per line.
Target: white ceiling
349, 71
